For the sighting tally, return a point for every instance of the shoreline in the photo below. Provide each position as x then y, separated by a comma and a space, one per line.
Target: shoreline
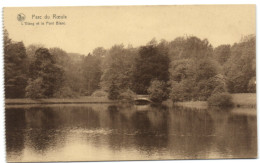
240, 100
81, 100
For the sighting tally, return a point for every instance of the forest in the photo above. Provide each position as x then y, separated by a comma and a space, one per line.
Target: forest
184, 69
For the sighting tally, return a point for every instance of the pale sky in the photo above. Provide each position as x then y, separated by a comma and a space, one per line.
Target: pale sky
90, 27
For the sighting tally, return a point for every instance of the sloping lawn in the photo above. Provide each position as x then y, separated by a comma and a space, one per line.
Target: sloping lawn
244, 99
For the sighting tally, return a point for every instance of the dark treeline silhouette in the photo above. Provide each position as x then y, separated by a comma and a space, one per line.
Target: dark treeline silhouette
186, 68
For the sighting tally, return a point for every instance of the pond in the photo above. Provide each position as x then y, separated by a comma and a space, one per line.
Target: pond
87, 132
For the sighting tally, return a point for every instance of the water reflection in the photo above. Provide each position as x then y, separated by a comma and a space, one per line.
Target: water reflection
116, 132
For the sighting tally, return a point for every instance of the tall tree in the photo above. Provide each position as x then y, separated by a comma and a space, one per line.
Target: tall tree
222, 53
46, 72
99, 52
150, 64
91, 73
117, 67
189, 47
240, 68
73, 76
15, 60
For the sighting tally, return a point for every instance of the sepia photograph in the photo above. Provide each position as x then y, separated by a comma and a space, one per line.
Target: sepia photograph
121, 83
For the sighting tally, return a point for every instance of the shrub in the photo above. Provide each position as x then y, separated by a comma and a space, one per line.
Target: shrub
113, 92
177, 92
65, 92
211, 86
220, 100
158, 91
127, 95
35, 89
183, 91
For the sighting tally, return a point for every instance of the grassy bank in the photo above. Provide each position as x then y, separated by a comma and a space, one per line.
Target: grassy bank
239, 100
193, 104
243, 100
84, 99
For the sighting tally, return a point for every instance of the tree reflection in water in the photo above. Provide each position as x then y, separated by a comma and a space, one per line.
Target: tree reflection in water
151, 132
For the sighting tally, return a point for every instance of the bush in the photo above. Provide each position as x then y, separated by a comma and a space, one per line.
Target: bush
220, 100
183, 91
177, 92
65, 92
158, 91
35, 89
113, 92
127, 95
99, 93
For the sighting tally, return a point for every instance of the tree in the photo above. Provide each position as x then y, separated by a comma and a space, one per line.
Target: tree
30, 51
91, 73
117, 68
189, 47
7, 40
99, 52
222, 53
35, 89
72, 65
180, 69
193, 79
252, 85
113, 92
241, 66
128, 95
220, 100
45, 69
158, 91
149, 65
15, 60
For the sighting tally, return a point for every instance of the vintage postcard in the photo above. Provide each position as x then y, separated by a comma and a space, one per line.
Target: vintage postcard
130, 83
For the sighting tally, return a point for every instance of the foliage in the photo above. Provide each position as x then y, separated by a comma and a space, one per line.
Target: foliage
187, 67
192, 69
73, 78
127, 95
193, 79
222, 53
45, 68
65, 92
100, 93
213, 85
117, 67
178, 92
91, 73
158, 91
189, 47
35, 88
99, 52
149, 65
220, 100
180, 69
241, 66
15, 60
113, 92
252, 85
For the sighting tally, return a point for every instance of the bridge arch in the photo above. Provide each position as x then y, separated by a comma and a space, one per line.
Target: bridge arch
142, 99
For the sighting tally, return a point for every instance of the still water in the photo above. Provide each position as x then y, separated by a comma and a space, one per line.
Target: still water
114, 132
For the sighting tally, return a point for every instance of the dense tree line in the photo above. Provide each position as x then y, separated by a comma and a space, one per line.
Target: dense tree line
186, 68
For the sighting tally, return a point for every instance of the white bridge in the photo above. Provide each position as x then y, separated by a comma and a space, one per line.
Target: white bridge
142, 98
